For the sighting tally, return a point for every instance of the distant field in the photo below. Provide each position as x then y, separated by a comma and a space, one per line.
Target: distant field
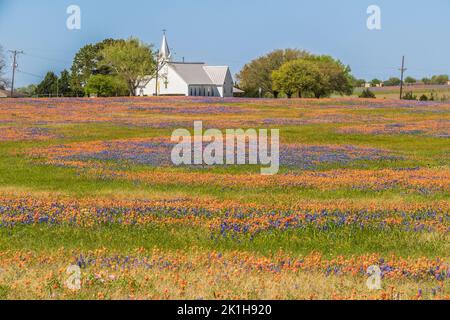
89, 182
441, 91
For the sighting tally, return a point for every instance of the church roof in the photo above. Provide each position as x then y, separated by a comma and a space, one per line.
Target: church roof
217, 74
200, 74
192, 73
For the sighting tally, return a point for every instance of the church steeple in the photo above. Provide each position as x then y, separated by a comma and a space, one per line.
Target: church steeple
165, 53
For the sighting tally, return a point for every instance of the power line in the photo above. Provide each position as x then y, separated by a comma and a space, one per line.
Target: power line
46, 58
30, 74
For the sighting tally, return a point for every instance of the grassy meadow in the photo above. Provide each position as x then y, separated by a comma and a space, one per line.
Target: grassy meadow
89, 182
440, 92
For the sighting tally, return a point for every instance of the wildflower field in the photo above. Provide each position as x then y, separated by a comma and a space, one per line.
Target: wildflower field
89, 183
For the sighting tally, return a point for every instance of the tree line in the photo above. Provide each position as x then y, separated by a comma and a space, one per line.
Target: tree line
298, 73
108, 68
395, 81
116, 67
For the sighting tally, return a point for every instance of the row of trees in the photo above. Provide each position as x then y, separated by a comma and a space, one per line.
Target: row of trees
54, 85
108, 68
438, 79
115, 68
295, 72
394, 81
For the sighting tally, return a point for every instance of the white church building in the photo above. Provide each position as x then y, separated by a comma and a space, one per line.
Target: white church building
186, 78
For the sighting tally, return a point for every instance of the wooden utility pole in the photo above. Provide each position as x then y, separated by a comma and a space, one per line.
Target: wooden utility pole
15, 53
403, 69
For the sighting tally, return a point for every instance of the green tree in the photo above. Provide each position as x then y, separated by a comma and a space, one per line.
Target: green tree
106, 86
336, 77
392, 82
131, 60
64, 88
359, 83
410, 80
440, 79
48, 86
375, 82
258, 73
86, 62
426, 81
297, 76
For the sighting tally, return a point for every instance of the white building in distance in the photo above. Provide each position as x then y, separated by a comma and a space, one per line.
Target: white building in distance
187, 78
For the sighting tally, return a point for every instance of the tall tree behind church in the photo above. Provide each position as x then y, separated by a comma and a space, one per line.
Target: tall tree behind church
258, 73
131, 60
87, 62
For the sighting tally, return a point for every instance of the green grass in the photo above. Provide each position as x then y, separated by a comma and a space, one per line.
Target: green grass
423, 150
346, 241
19, 171
81, 132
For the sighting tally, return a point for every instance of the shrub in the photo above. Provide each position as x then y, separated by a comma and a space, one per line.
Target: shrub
433, 96
409, 96
367, 94
423, 97
444, 98
106, 86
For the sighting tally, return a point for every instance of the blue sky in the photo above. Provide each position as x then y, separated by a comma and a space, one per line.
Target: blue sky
232, 32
